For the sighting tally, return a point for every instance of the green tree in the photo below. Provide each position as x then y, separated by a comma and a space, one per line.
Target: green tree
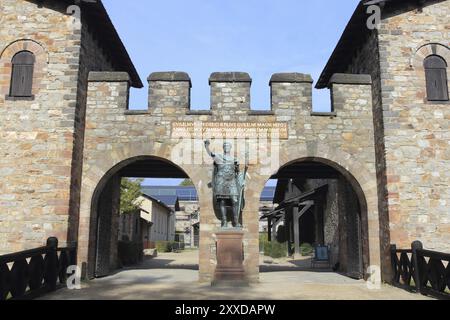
130, 191
186, 183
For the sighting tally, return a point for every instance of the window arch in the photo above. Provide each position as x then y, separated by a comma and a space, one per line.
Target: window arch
22, 74
436, 78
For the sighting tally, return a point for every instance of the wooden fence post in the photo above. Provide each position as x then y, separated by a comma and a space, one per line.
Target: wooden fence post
393, 253
51, 264
416, 245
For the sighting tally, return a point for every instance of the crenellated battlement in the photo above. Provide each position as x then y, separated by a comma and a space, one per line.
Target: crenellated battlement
291, 93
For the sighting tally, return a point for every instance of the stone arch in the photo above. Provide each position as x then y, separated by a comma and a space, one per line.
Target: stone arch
115, 169
95, 178
42, 60
417, 65
125, 151
426, 50
364, 175
361, 175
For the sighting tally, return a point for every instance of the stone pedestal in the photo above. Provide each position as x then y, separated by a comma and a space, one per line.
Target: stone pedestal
230, 259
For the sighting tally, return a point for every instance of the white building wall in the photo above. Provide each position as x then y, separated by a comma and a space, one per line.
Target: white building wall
163, 220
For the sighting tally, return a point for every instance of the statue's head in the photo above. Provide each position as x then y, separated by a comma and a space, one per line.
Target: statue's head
227, 147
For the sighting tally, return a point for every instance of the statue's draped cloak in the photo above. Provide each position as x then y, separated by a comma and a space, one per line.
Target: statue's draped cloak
227, 182
225, 177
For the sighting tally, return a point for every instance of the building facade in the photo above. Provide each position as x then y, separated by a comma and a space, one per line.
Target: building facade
183, 200
42, 124
411, 115
153, 222
162, 219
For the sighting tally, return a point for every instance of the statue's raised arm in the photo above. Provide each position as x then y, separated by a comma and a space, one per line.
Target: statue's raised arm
207, 144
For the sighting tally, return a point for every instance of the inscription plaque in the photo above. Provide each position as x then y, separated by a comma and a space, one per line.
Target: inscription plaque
230, 130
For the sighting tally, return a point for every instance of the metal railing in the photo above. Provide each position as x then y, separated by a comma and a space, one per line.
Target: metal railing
422, 271
33, 273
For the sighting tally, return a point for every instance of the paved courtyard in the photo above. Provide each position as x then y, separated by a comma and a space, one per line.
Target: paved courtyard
175, 277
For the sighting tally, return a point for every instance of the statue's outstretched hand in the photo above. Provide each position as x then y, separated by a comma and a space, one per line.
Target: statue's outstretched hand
207, 144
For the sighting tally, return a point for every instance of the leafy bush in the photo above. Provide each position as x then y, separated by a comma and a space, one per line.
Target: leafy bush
163, 246
267, 249
263, 240
264, 245
306, 249
278, 250
167, 246
272, 249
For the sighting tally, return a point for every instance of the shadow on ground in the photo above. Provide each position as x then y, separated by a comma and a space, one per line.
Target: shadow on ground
158, 263
175, 277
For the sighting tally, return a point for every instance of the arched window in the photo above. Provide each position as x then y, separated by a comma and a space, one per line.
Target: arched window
22, 74
436, 77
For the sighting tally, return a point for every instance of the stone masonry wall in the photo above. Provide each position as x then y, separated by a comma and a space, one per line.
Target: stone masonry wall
36, 136
417, 134
230, 94
366, 61
114, 135
41, 138
92, 58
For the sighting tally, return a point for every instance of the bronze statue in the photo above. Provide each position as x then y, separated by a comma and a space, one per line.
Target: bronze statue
228, 185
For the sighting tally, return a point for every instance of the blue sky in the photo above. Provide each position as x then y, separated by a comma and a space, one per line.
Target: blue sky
260, 37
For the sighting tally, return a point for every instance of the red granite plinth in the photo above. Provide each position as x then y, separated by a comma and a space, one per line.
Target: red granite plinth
230, 258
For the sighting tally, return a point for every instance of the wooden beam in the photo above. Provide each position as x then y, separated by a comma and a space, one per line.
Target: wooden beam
297, 215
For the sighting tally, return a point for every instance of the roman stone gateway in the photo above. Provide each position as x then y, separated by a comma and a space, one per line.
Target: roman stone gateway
117, 137
67, 135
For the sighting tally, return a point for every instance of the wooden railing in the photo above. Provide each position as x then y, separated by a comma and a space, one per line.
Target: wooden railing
32, 273
422, 271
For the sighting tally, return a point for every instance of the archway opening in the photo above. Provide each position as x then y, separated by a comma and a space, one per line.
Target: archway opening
318, 221
144, 216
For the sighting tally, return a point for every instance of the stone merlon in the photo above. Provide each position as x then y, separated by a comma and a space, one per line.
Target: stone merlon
171, 76
293, 77
230, 77
98, 76
355, 79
